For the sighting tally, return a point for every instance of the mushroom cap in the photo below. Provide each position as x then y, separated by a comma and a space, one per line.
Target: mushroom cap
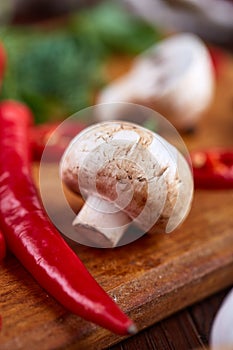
174, 77
132, 167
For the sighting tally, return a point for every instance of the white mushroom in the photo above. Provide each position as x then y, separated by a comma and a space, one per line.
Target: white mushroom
221, 335
174, 77
128, 175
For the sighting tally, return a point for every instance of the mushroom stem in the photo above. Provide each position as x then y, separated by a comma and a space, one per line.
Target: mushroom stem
100, 223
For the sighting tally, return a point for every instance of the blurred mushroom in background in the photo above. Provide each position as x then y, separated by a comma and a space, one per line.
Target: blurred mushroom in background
61, 68
174, 77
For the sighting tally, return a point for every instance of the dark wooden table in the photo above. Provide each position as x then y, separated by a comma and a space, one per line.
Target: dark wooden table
185, 330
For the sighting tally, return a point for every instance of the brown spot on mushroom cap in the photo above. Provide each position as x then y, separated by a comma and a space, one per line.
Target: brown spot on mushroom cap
145, 136
123, 175
172, 195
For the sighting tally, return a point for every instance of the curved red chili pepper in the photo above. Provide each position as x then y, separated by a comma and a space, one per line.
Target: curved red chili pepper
213, 169
35, 241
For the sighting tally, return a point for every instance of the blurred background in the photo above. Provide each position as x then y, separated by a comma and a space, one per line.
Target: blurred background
60, 54
59, 57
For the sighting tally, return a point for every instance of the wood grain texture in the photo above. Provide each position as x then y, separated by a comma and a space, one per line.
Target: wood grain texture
203, 313
188, 329
150, 278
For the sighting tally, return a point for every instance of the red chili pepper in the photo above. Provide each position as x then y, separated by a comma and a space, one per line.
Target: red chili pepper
40, 135
213, 168
35, 241
219, 59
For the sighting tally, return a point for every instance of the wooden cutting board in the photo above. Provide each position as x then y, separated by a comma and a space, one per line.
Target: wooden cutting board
150, 278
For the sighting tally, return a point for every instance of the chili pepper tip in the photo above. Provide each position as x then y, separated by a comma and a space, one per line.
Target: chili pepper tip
132, 329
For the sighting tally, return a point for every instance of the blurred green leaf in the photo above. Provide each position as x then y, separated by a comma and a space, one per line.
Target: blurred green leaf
117, 29
56, 71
